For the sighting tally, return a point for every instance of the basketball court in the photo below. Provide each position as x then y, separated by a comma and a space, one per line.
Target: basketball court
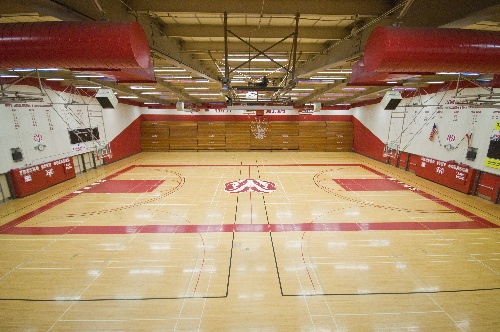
249, 240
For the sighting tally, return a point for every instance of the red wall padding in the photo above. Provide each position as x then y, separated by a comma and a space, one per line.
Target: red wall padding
407, 50
449, 174
488, 185
29, 180
127, 143
366, 143
403, 160
243, 118
79, 45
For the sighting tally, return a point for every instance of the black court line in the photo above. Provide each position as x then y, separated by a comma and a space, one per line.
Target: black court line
136, 298
142, 298
271, 238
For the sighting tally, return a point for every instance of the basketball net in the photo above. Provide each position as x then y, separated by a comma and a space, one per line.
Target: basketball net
103, 150
391, 150
259, 127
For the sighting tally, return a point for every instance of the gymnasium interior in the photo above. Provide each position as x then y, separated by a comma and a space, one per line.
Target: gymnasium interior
261, 165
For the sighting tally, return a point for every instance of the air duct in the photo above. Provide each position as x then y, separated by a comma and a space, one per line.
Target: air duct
410, 50
116, 47
362, 77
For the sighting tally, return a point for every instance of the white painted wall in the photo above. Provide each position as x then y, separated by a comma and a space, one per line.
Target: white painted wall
453, 123
46, 121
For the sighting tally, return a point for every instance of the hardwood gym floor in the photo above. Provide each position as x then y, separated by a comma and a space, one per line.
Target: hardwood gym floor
230, 241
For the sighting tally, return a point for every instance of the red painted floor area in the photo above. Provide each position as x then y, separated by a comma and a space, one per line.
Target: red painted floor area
250, 228
108, 185
369, 184
125, 186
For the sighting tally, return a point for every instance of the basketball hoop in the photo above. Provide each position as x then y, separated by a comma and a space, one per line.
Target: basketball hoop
103, 150
259, 126
391, 150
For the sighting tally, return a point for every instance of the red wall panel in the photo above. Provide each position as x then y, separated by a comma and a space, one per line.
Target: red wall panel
127, 143
366, 143
449, 174
403, 160
488, 185
29, 180
233, 117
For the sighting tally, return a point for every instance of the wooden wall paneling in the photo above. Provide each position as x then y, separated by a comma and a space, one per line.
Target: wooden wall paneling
307, 135
339, 136
155, 136
280, 128
284, 135
211, 128
237, 135
312, 128
211, 136
183, 136
212, 142
312, 135
285, 142
333, 144
312, 143
261, 144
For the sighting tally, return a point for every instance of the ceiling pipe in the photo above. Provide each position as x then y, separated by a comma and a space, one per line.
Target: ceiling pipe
410, 50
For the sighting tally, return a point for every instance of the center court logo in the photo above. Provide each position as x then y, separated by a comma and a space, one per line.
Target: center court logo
250, 185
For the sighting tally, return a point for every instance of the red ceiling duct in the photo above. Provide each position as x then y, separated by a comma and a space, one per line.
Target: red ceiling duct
119, 50
361, 76
82, 45
404, 50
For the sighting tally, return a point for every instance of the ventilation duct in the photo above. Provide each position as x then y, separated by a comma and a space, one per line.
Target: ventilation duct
361, 76
410, 50
115, 47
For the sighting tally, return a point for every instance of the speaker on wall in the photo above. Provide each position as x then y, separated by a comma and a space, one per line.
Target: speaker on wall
391, 100
106, 98
17, 154
179, 105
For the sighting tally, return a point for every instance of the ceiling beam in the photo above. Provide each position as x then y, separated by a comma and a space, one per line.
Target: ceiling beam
488, 14
182, 94
64, 12
431, 13
368, 91
318, 93
270, 7
211, 31
238, 47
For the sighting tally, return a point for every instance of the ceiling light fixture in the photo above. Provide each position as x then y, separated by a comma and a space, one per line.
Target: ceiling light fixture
88, 86
88, 76
139, 87
170, 70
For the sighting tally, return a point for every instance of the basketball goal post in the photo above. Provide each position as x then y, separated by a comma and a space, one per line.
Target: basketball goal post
259, 125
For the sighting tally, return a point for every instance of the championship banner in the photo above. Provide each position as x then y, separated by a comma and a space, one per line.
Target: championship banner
493, 155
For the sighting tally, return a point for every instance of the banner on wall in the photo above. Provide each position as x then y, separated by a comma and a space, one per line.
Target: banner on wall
32, 179
493, 155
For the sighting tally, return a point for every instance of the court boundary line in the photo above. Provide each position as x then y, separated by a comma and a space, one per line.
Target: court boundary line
10, 228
